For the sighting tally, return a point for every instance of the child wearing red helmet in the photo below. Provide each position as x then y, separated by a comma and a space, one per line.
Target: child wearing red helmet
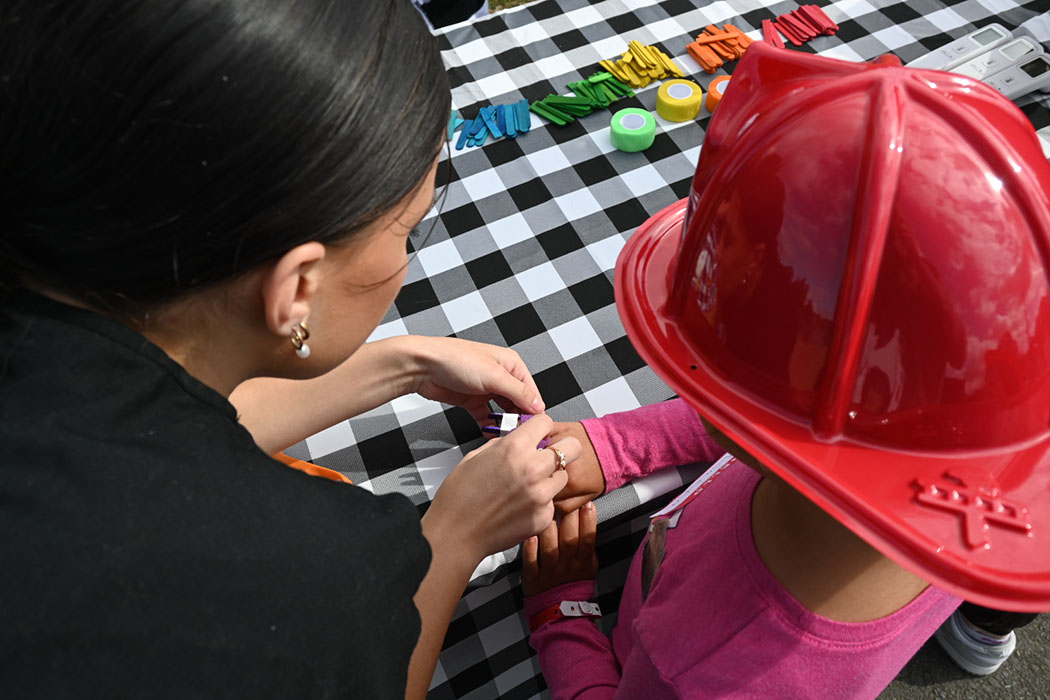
856, 300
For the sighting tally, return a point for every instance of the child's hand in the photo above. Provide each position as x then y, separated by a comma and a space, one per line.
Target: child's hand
586, 480
561, 553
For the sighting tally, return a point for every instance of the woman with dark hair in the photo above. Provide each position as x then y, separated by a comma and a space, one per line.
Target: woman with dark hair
184, 184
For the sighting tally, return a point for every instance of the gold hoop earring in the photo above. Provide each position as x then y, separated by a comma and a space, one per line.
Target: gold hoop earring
299, 335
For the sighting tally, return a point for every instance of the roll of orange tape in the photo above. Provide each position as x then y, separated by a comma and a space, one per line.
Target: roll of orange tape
715, 91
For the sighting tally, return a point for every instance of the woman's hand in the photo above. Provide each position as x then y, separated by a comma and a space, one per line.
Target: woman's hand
468, 374
501, 493
496, 497
562, 553
586, 480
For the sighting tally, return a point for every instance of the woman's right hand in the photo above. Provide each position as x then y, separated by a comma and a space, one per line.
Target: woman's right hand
502, 492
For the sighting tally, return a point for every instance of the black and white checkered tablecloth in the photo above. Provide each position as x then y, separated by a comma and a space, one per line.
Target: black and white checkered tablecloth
523, 252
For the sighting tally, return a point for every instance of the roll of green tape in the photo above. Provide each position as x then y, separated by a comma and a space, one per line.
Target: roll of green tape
633, 130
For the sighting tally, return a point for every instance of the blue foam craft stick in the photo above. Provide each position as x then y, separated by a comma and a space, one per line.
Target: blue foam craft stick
512, 127
501, 120
523, 119
488, 114
478, 134
464, 134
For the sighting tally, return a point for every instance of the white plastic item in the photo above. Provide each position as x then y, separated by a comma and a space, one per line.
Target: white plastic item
1022, 78
1000, 58
964, 48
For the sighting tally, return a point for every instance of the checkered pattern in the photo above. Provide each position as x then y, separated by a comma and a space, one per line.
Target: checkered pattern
523, 252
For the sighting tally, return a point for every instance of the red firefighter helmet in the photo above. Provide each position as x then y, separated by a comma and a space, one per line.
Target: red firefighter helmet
857, 292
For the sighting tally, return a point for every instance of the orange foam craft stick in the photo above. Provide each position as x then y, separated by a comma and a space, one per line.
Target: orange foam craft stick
710, 38
724, 52
703, 55
744, 39
719, 47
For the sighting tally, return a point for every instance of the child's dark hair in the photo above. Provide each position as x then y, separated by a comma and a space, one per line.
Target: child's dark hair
153, 147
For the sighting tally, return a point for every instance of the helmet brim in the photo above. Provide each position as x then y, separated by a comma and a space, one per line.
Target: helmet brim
987, 547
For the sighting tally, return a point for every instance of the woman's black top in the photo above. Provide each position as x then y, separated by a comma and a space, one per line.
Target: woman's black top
150, 549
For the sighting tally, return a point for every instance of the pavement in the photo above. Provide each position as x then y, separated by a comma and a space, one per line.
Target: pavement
931, 674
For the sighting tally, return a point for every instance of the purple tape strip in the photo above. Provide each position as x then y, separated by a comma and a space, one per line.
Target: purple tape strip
495, 430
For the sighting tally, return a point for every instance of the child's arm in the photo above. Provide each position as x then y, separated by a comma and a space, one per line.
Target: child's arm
576, 658
634, 443
578, 661
560, 565
620, 447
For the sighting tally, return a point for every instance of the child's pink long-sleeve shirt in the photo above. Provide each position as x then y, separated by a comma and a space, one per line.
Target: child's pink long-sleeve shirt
716, 624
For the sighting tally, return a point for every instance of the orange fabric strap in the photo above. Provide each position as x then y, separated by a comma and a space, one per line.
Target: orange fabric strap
311, 469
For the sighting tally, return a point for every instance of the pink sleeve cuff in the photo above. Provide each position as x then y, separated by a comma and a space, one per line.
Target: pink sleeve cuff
635, 443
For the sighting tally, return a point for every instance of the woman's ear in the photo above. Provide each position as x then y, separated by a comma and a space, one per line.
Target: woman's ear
288, 287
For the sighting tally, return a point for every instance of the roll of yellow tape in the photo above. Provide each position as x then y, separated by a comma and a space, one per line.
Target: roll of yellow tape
679, 100
715, 91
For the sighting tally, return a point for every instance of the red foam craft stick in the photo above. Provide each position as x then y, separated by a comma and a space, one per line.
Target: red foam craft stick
770, 34
788, 30
814, 28
824, 17
788, 33
815, 18
800, 28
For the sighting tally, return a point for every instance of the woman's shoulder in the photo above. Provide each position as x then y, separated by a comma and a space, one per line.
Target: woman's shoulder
151, 464
132, 506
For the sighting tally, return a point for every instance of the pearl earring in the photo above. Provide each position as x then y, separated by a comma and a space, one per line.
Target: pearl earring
299, 335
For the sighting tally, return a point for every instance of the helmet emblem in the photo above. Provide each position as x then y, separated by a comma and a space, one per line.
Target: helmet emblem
979, 506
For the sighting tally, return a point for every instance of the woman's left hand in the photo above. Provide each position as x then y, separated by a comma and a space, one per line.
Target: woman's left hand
469, 374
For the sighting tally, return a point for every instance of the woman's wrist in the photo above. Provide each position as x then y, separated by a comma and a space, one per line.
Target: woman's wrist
415, 359
450, 547
408, 359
